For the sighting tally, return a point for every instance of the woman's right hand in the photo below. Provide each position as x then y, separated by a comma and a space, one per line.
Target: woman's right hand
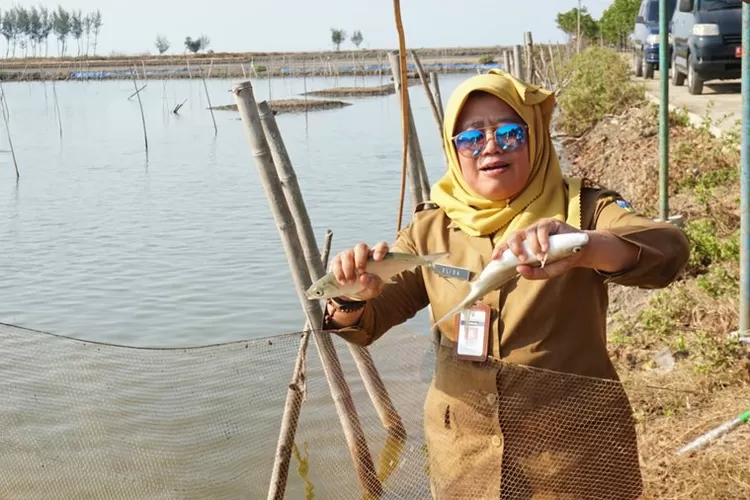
349, 266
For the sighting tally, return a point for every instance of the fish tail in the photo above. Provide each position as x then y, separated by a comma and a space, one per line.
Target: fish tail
470, 299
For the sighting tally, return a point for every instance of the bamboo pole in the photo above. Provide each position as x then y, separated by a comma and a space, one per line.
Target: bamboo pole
342, 397
294, 398
438, 97
367, 370
430, 97
418, 184
140, 104
6, 114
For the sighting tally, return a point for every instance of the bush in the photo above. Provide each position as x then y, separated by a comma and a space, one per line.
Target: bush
486, 59
597, 83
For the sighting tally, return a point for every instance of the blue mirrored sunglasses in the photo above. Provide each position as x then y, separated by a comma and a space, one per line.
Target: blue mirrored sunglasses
509, 137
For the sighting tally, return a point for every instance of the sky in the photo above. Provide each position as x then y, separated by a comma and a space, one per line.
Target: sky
131, 27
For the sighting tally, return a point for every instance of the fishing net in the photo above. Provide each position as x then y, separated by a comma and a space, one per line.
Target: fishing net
93, 421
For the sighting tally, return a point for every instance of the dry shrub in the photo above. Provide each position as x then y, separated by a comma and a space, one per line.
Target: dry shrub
718, 471
622, 152
705, 380
597, 83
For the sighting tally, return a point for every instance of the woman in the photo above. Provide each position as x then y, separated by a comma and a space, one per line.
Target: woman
506, 424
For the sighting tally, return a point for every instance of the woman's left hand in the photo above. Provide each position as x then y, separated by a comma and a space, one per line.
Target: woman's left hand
537, 238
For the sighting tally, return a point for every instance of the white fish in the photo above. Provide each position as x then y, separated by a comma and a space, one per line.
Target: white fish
392, 264
500, 271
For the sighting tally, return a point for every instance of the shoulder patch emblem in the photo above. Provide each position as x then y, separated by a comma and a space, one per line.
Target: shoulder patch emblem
624, 205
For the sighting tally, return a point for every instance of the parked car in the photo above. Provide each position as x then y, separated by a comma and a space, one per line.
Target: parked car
646, 38
707, 40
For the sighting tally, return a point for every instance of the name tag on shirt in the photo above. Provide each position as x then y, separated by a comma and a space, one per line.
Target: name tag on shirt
452, 272
473, 329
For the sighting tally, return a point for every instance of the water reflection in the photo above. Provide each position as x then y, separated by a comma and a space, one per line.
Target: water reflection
177, 253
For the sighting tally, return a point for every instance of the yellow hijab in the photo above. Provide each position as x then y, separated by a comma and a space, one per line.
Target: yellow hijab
544, 194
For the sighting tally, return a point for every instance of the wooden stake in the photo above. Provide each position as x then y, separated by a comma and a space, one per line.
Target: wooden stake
342, 397
140, 104
137, 91
529, 43
438, 97
554, 68
430, 97
57, 108
294, 398
517, 61
418, 184
6, 114
208, 98
176, 109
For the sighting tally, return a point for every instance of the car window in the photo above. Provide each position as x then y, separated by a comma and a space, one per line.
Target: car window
653, 10
719, 4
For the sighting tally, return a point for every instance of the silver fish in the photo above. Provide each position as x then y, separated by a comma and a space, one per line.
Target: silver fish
500, 271
392, 264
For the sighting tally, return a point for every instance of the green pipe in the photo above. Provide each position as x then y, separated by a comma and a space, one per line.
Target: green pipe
715, 433
745, 177
663, 112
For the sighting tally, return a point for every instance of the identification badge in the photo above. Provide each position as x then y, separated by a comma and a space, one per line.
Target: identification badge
473, 328
452, 272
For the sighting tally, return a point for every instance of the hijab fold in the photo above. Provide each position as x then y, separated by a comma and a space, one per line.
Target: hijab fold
544, 194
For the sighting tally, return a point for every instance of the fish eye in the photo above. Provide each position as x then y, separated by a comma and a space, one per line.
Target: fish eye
576, 249
318, 293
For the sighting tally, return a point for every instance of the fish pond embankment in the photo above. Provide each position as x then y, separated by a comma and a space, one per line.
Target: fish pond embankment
243, 65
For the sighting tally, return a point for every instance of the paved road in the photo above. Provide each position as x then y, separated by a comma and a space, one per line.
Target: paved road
725, 97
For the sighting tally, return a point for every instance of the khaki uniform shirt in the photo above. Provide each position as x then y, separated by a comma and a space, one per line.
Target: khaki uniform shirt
557, 324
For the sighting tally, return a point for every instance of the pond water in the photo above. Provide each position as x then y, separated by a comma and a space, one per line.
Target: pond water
177, 247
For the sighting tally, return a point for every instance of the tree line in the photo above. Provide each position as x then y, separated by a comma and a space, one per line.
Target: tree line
613, 27
27, 31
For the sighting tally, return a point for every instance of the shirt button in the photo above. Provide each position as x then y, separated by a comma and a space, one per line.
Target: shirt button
497, 441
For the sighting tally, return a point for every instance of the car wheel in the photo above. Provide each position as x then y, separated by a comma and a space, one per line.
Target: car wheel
637, 65
678, 79
694, 81
648, 71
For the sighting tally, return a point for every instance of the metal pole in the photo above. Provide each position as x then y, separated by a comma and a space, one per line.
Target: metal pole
745, 178
663, 113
